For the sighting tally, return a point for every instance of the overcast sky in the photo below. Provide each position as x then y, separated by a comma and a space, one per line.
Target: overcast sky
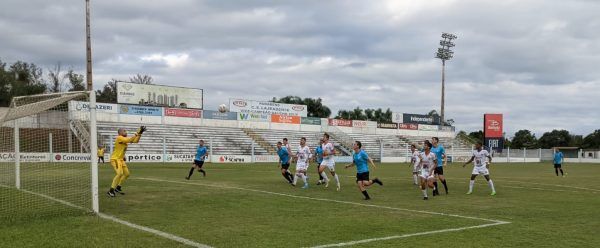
535, 61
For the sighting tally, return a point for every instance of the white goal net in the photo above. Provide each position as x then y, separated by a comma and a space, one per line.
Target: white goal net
46, 163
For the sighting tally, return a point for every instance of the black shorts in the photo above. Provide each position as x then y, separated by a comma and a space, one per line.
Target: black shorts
285, 166
198, 163
438, 170
557, 165
362, 176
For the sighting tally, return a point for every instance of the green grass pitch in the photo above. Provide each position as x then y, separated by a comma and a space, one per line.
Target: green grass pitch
250, 205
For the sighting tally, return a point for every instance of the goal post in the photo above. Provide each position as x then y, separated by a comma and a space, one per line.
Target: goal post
48, 155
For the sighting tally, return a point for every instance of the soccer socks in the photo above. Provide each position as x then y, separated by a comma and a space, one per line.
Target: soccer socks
290, 176
337, 180
561, 173
304, 179
364, 192
445, 186
295, 179
556, 171
491, 185
471, 183
435, 188
415, 178
324, 176
424, 192
287, 177
191, 172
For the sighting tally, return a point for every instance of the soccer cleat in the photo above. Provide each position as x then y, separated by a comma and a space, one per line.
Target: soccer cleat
293, 184
470, 192
203, 173
493, 193
110, 193
326, 184
377, 181
319, 182
425, 198
305, 186
338, 187
118, 190
187, 178
368, 198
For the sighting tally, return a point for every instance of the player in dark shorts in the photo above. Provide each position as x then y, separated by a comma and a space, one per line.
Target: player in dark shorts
201, 154
440, 154
284, 162
558, 160
361, 159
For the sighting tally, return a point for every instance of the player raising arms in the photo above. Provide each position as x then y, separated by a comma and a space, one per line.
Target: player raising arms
284, 161
328, 162
201, 155
440, 153
302, 156
480, 156
117, 159
414, 161
319, 160
427, 166
360, 159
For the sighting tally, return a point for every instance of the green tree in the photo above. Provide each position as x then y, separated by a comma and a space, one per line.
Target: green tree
592, 140
435, 114
315, 107
75, 81
477, 135
108, 94
554, 139
19, 79
524, 139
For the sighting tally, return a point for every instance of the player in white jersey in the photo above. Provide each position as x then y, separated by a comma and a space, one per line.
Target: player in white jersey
414, 161
287, 145
482, 166
303, 155
328, 162
427, 165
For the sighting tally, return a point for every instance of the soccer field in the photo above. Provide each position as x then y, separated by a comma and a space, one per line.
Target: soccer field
247, 205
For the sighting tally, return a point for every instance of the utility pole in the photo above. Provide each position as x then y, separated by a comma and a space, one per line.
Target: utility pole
90, 87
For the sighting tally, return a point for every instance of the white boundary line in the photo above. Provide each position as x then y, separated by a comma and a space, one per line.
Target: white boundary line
117, 220
494, 222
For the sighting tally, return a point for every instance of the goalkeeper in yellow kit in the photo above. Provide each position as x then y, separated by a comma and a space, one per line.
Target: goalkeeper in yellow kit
117, 159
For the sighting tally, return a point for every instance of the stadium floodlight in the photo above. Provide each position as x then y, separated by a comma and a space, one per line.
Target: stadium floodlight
444, 53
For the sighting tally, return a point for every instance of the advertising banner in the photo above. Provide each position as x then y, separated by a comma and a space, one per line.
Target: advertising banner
387, 125
266, 158
397, 117
140, 110
159, 95
25, 157
427, 127
186, 113
420, 119
340, 122
310, 121
216, 115
254, 117
494, 144
231, 159
446, 128
71, 157
266, 107
144, 157
492, 126
181, 158
285, 119
100, 107
408, 126
359, 124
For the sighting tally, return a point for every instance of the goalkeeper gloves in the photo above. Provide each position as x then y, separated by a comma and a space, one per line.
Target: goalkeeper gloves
141, 130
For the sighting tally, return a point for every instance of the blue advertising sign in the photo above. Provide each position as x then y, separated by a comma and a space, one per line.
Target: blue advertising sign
140, 110
216, 115
496, 144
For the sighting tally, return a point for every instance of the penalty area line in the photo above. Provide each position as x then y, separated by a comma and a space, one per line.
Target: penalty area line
119, 221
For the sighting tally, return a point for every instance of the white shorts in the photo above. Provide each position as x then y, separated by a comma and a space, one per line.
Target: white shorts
330, 165
301, 166
425, 174
480, 170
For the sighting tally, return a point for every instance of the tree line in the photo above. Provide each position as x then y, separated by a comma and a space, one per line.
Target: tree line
555, 138
23, 78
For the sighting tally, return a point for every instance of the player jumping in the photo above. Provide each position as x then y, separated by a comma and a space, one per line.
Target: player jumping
328, 162
201, 155
440, 153
284, 161
427, 167
302, 156
480, 156
117, 159
360, 159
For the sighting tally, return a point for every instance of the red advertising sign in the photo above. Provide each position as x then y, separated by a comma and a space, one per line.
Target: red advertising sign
340, 122
188, 113
492, 125
289, 119
409, 126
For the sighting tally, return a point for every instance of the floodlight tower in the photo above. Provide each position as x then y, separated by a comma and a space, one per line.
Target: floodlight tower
444, 53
